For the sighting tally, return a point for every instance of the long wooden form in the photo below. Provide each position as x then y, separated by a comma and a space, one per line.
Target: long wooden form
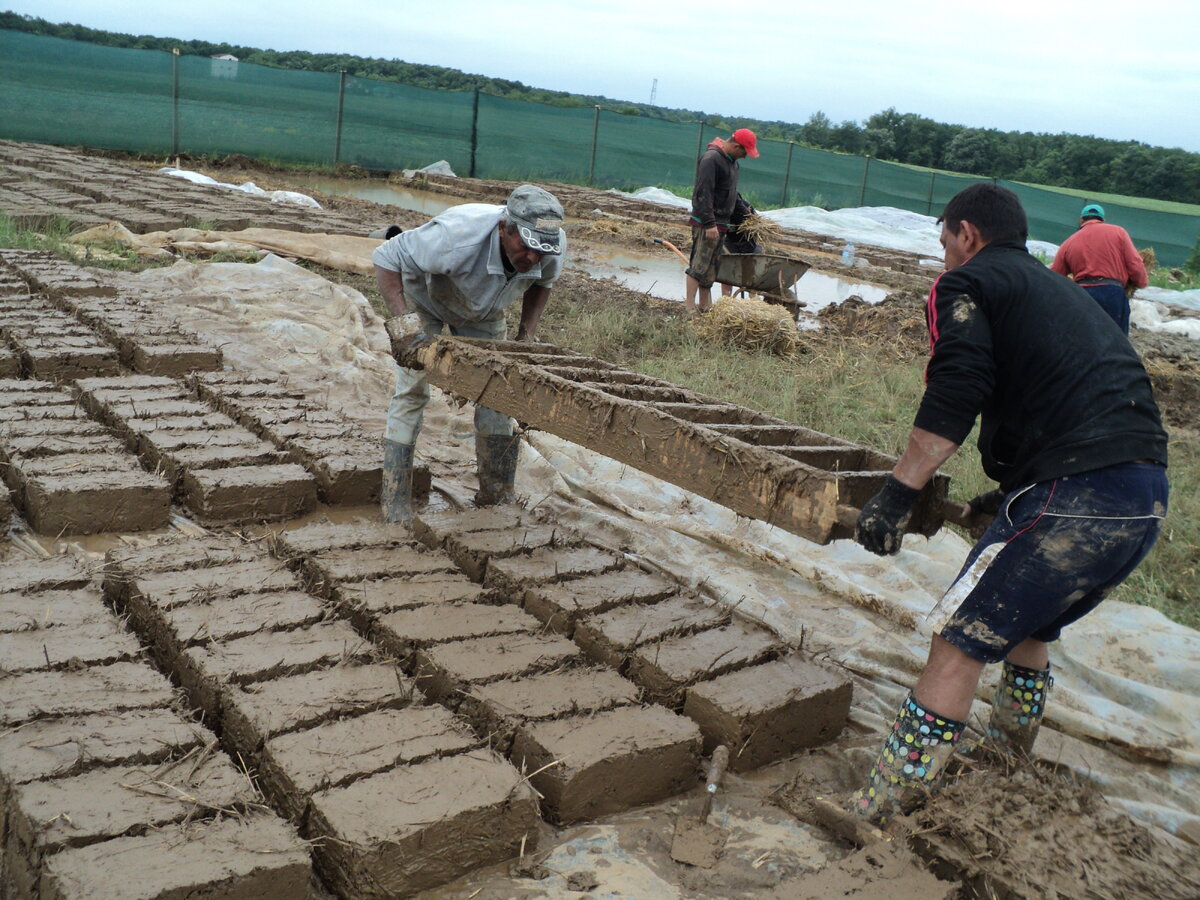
801, 480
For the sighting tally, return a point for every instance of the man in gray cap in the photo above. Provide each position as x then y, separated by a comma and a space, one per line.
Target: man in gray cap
461, 270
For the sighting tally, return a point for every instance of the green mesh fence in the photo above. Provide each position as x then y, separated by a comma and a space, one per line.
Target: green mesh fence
68, 92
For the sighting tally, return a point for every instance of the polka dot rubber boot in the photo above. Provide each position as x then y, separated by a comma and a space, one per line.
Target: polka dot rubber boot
909, 764
1017, 708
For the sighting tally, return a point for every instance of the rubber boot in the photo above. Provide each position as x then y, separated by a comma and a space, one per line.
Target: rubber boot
1017, 708
395, 496
496, 462
910, 763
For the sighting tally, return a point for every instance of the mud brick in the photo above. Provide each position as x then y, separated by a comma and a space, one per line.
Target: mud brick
336, 566
93, 643
667, 667
76, 425
257, 856
445, 671
324, 536
148, 429
94, 502
499, 708
433, 528
173, 358
54, 748
204, 671
256, 712
295, 766
560, 606
61, 572
67, 364
120, 686
364, 601
347, 479
41, 413
111, 388
188, 553
766, 712
460, 812
283, 433
403, 631
249, 493
612, 637
473, 549
514, 574
23, 385
145, 597
610, 761
102, 805
165, 443
51, 610
228, 618
126, 410
300, 415
10, 367
38, 446
74, 463
249, 452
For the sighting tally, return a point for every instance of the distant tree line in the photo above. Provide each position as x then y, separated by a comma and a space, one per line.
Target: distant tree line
1063, 160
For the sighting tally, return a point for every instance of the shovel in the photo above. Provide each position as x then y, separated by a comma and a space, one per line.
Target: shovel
696, 842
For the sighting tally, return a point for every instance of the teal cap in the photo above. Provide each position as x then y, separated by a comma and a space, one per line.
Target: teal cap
1092, 209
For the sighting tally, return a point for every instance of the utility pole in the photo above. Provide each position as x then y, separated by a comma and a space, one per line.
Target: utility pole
653, 91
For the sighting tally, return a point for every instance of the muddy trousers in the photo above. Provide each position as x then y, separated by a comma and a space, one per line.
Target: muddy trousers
910, 763
407, 409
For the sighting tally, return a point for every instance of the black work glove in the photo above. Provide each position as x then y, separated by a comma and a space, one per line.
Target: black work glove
984, 508
880, 525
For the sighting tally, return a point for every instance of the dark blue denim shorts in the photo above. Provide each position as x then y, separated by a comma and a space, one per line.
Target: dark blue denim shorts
1054, 551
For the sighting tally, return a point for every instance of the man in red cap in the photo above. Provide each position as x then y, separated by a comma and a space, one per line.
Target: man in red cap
714, 195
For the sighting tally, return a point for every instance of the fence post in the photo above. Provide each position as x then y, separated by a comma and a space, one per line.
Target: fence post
175, 101
862, 194
595, 132
337, 141
787, 174
929, 205
474, 130
699, 140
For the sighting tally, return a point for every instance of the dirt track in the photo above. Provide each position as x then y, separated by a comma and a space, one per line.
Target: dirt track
296, 647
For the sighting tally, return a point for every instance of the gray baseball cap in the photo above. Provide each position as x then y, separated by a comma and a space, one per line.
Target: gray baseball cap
538, 216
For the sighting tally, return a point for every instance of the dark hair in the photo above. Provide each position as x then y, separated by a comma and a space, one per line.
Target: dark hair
994, 210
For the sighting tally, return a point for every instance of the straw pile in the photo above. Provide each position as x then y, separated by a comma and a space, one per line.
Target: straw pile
759, 230
751, 324
1149, 258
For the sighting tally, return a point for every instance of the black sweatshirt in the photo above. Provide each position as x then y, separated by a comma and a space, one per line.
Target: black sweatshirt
1060, 389
714, 192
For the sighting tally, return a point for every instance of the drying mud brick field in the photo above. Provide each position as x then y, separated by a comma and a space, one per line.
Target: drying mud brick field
231, 679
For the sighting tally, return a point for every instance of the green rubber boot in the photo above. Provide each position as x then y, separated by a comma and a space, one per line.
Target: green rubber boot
910, 763
496, 462
395, 496
1017, 708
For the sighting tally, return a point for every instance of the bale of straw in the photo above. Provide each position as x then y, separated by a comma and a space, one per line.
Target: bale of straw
751, 324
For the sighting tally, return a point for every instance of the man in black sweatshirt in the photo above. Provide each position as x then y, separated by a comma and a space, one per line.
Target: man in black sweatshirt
1070, 430
714, 194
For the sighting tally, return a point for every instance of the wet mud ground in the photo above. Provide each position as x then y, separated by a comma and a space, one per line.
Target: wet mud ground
1060, 839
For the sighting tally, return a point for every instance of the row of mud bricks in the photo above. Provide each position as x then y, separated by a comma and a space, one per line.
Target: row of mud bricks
58, 322
228, 448
106, 779
404, 700
40, 182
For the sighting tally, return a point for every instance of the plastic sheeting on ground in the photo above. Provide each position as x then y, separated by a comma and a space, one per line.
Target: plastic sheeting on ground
293, 197
1125, 709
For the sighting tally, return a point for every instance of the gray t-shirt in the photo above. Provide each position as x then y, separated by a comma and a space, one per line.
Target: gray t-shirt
452, 267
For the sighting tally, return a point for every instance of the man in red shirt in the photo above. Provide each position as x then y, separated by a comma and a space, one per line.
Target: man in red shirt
1103, 261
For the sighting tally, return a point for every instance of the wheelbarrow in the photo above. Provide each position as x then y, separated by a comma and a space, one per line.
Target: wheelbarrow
770, 274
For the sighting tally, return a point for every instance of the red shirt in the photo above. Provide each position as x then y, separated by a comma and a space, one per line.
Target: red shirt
1099, 250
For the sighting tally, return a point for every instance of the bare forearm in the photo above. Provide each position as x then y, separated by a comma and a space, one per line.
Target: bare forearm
532, 304
926, 452
391, 287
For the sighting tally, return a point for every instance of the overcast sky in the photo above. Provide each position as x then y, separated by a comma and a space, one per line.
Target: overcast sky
1128, 71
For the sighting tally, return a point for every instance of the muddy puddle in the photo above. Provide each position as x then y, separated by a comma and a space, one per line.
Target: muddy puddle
379, 191
661, 275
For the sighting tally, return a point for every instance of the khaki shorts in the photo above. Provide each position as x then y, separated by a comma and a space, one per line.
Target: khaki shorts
703, 263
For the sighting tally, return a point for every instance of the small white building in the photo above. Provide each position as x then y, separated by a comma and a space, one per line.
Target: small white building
224, 65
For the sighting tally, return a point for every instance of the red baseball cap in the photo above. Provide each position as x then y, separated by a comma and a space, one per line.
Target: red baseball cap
746, 138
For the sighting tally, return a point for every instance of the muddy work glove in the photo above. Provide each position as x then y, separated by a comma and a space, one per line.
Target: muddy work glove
407, 334
880, 525
982, 510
